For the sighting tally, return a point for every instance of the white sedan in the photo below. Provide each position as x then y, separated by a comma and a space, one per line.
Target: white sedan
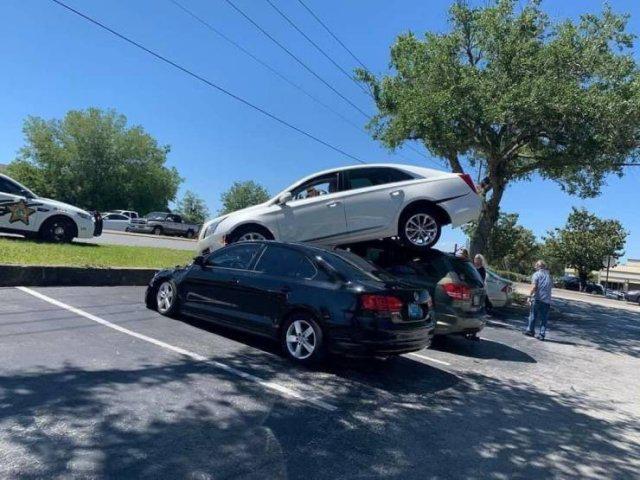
353, 204
499, 290
116, 221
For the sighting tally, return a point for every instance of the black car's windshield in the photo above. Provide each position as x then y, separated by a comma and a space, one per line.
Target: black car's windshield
356, 268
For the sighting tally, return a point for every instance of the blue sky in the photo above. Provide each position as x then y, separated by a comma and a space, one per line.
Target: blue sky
52, 62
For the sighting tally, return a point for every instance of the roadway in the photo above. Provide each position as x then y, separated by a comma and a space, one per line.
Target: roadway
94, 385
110, 237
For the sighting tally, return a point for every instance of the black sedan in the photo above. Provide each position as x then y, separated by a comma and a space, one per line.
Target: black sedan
311, 300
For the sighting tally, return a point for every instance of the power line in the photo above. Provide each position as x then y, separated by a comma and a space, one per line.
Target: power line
207, 82
263, 63
332, 34
271, 69
295, 57
317, 47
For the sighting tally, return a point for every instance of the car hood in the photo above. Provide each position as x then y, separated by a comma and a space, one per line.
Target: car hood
236, 212
63, 207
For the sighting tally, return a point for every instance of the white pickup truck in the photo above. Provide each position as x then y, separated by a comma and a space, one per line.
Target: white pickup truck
24, 213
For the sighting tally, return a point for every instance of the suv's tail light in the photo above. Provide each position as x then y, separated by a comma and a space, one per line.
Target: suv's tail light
457, 291
506, 289
381, 303
469, 181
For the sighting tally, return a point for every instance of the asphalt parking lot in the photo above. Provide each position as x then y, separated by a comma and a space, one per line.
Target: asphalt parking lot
94, 385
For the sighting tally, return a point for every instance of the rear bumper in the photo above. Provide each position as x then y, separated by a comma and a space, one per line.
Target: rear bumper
387, 340
463, 209
450, 324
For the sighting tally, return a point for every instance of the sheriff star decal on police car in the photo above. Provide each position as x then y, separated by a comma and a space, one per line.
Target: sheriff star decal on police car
20, 211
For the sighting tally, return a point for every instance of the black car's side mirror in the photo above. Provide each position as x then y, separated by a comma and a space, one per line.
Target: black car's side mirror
199, 260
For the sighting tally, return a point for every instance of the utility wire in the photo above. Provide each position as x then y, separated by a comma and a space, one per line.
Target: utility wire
317, 47
282, 77
207, 82
332, 34
271, 69
335, 37
296, 58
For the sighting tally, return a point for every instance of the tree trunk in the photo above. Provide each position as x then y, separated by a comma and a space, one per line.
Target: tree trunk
486, 221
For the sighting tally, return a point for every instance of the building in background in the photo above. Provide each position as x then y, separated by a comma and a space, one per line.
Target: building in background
625, 276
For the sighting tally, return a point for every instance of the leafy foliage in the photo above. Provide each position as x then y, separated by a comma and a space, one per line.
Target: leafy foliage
511, 247
93, 160
243, 195
509, 89
585, 242
192, 208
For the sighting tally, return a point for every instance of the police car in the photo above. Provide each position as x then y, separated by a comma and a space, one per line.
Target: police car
24, 213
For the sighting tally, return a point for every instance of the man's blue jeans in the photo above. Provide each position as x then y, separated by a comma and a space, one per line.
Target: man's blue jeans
539, 313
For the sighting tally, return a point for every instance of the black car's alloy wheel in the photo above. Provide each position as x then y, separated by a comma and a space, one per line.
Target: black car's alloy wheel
167, 298
302, 339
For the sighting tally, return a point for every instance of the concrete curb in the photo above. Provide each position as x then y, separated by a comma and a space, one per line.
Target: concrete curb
43, 276
151, 235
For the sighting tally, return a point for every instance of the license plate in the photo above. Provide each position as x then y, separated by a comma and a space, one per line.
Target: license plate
476, 301
415, 310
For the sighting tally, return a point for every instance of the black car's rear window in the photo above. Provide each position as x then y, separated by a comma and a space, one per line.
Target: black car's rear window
354, 267
439, 266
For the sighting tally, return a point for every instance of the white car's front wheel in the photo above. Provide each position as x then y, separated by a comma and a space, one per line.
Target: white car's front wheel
419, 229
250, 233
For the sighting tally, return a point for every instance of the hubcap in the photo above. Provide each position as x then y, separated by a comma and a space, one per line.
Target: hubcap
421, 229
301, 339
164, 297
58, 230
251, 237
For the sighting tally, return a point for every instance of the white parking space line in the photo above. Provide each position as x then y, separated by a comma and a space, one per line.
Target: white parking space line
430, 359
285, 391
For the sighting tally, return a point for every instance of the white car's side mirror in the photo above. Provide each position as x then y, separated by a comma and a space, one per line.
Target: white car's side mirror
284, 198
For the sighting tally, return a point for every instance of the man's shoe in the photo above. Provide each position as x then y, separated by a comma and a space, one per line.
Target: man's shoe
541, 337
528, 333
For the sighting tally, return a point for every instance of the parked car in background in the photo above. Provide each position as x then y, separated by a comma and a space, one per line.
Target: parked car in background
570, 282
24, 213
499, 289
116, 221
632, 296
454, 283
614, 294
126, 213
309, 299
354, 204
164, 223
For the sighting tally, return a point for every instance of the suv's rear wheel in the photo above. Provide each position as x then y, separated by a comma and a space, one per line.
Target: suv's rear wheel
250, 233
420, 228
302, 339
58, 230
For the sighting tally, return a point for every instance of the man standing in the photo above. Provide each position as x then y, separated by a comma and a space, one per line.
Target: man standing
540, 300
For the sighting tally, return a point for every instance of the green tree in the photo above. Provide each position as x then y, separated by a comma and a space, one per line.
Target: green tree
192, 208
509, 90
92, 159
511, 246
585, 242
243, 195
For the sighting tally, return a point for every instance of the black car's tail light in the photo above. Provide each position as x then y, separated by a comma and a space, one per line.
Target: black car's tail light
457, 291
381, 303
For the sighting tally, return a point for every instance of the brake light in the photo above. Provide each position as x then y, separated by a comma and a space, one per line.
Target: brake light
457, 291
469, 181
506, 289
381, 303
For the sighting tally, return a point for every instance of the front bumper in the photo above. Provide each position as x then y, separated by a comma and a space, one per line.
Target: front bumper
211, 243
385, 338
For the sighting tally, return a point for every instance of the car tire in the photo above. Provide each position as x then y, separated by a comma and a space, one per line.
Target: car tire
250, 233
157, 230
302, 339
58, 230
166, 297
190, 234
420, 228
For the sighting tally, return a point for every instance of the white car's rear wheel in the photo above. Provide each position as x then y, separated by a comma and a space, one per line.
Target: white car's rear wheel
420, 228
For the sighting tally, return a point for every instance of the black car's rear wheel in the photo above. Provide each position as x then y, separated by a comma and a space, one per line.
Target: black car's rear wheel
167, 298
302, 339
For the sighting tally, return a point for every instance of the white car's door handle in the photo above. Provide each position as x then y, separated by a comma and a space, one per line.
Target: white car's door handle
396, 193
333, 204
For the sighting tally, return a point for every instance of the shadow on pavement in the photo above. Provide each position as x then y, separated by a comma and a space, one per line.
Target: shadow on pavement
484, 349
165, 422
